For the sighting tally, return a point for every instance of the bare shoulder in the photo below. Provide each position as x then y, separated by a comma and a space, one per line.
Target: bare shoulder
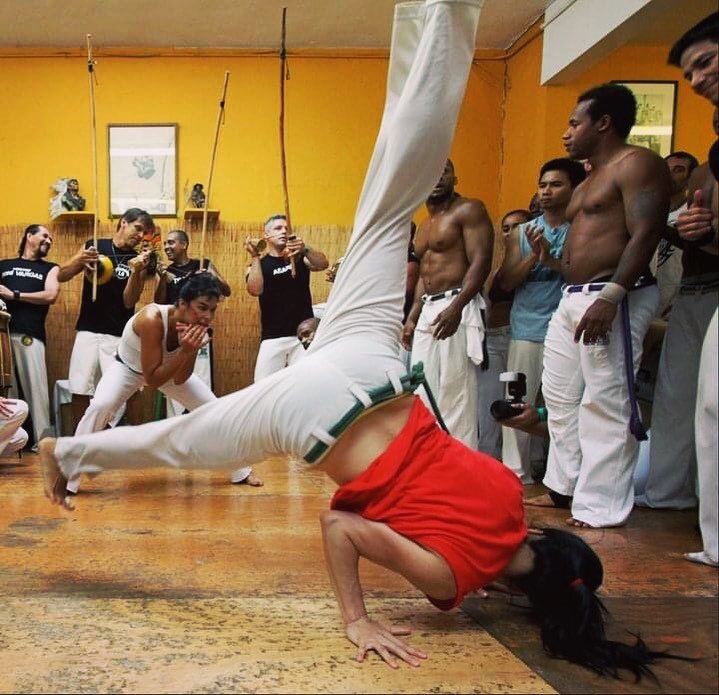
470, 207
472, 214
147, 319
635, 160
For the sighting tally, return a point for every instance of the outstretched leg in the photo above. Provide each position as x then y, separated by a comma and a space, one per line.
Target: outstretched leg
432, 51
264, 420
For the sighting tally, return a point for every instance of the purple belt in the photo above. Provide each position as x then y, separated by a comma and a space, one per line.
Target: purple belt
635, 421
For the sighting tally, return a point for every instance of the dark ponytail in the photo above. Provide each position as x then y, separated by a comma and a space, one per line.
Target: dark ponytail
561, 588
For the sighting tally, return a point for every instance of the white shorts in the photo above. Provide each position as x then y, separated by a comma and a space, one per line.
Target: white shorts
92, 355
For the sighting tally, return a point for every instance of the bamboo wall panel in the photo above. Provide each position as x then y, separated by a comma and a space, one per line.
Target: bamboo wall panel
237, 333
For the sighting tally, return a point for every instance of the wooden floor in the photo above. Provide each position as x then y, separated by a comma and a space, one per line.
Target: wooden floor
167, 582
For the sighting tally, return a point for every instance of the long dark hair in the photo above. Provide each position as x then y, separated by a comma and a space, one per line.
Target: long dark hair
561, 588
32, 230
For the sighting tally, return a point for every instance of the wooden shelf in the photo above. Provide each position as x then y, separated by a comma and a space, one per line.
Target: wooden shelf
195, 215
75, 216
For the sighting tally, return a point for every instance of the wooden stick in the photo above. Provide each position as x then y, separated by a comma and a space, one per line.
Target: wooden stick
220, 114
283, 158
93, 131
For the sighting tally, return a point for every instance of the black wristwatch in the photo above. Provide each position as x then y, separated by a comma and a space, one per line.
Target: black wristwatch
16, 295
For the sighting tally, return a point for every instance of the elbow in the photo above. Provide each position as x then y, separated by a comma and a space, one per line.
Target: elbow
253, 291
52, 298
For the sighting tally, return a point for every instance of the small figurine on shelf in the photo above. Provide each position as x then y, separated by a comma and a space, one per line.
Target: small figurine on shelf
72, 200
68, 197
198, 196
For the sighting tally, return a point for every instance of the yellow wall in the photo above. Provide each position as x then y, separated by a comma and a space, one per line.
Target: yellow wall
537, 116
333, 107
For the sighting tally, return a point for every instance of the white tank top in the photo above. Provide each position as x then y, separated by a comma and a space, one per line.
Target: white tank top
130, 349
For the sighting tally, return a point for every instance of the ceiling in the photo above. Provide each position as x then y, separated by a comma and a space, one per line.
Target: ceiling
244, 24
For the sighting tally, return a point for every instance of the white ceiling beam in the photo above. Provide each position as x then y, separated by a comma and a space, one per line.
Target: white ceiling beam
580, 33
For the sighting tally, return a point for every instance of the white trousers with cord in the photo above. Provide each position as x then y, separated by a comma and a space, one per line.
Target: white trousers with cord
707, 428
450, 370
356, 346
592, 453
31, 371
118, 383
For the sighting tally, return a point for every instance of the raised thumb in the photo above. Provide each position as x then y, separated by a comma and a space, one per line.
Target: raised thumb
698, 201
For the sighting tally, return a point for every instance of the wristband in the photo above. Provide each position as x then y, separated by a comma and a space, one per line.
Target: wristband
16, 295
542, 413
613, 293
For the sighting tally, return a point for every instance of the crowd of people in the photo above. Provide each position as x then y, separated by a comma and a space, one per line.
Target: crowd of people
568, 307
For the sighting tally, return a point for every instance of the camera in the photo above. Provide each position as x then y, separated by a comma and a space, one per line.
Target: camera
517, 389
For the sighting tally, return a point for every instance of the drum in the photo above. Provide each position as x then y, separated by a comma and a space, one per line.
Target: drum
5, 354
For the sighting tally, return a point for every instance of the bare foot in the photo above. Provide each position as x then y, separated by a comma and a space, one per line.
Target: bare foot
577, 523
701, 557
252, 480
552, 500
54, 481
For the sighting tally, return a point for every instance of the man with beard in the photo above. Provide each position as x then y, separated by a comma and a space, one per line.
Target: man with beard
167, 291
445, 327
594, 339
29, 285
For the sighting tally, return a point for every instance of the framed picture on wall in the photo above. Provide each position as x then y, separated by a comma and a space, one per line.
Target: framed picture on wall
656, 111
143, 167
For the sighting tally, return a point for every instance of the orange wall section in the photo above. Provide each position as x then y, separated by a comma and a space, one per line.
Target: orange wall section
333, 110
537, 115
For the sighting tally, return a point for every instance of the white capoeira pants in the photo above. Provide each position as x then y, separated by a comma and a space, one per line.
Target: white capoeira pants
12, 436
277, 353
671, 482
355, 349
491, 389
517, 447
592, 453
450, 370
707, 428
92, 355
31, 370
118, 383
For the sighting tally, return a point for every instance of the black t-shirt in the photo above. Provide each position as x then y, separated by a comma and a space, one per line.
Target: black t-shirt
26, 276
107, 314
180, 273
285, 300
